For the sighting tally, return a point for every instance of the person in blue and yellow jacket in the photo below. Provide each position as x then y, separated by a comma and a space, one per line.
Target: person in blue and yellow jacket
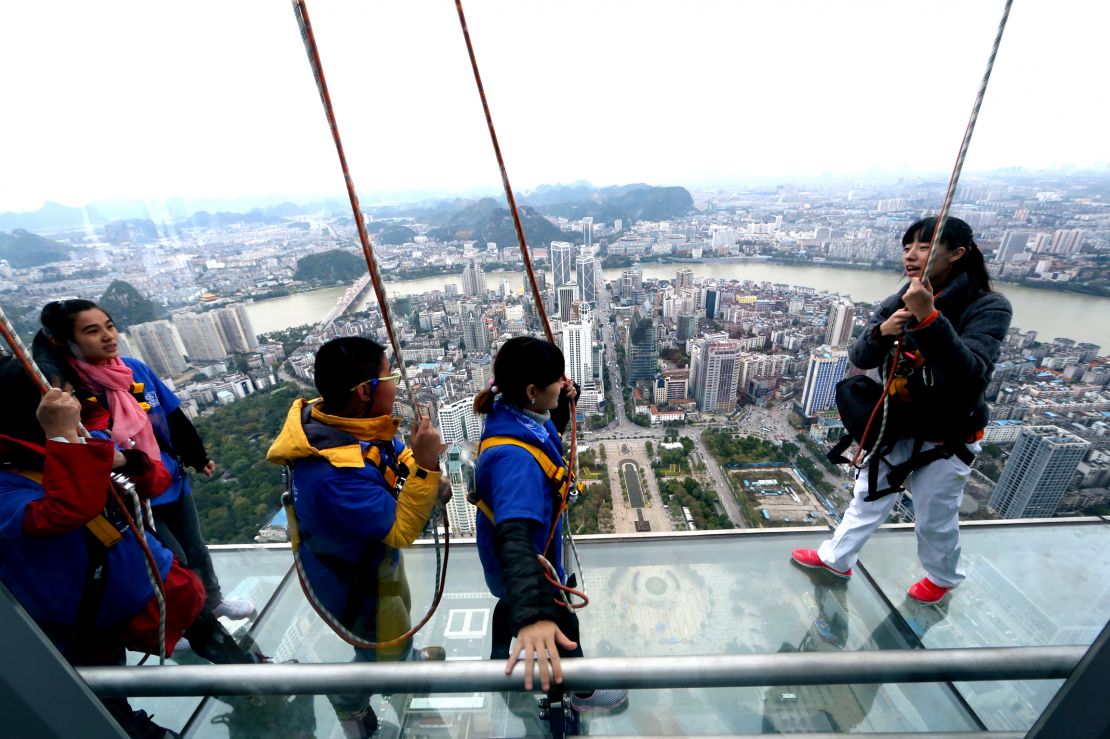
66, 551
359, 496
519, 480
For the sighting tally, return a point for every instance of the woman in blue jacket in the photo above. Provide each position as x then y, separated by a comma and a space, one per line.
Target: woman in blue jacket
80, 341
527, 404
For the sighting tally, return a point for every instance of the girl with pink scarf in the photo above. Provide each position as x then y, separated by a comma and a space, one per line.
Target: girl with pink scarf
80, 341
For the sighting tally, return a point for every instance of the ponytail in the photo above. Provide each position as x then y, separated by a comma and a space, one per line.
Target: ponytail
483, 401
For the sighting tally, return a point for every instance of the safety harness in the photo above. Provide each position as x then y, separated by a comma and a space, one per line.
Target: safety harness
564, 489
360, 578
558, 475
99, 536
859, 397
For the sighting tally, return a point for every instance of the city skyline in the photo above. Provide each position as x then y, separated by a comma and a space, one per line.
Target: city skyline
754, 104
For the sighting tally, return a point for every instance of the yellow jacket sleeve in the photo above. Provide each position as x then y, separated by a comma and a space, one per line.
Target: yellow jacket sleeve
414, 503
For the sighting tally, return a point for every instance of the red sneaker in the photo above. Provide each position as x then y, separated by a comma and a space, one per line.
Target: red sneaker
808, 558
926, 591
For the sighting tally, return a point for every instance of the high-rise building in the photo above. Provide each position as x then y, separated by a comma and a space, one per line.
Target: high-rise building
566, 297
460, 475
1067, 240
158, 341
1038, 472
714, 372
201, 336
686, 327
588, 231
562, 263
641, 349
839, 330
235, 329
577, 345
458, 423
590, 278
474, 280
130, 348
475, 334
1012, 244
827, 366
711, 299
684, 277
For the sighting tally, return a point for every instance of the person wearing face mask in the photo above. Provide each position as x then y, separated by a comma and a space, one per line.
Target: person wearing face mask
123, 397
360, 495
518, 476
940, 335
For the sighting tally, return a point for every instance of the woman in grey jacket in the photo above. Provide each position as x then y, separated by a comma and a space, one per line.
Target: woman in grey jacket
952, 326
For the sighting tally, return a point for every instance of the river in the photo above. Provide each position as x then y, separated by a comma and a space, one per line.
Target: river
1050, 313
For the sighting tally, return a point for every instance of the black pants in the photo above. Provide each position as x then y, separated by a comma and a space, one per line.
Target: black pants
503, 635
178, 528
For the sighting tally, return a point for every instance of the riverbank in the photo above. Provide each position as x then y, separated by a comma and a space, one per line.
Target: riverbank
1050, 313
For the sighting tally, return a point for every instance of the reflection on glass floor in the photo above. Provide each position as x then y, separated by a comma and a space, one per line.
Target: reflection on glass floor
716, 594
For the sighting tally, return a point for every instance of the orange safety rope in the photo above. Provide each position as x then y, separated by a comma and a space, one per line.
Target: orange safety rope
525, 256
942, 218
537, 297
300, 10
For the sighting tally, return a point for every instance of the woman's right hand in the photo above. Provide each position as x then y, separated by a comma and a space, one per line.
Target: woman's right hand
59, 414
542, 639
896, 324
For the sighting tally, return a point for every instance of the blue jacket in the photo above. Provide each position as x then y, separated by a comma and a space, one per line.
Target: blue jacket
353, 521
513, 485
47, 573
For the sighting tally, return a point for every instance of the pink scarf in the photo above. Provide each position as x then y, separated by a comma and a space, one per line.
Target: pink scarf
131, 428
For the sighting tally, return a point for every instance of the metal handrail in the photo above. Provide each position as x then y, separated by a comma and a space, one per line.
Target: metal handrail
711, 671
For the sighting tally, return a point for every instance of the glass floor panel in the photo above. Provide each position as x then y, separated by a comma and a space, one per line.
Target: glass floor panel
677, 596
1027, 585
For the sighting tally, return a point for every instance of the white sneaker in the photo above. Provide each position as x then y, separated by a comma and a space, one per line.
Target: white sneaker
235, 609
607, 698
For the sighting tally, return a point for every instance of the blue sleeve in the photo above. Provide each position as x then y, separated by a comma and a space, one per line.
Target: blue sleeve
14, 498
514, 486
153, 384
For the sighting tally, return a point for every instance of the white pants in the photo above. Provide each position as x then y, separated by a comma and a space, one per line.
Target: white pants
937, 488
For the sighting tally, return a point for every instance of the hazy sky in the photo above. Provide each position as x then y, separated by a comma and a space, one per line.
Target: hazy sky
215, 99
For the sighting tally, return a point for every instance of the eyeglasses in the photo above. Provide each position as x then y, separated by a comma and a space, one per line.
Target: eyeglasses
393, 376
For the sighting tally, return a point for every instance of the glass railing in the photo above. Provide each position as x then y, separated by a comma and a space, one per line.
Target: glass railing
728, 593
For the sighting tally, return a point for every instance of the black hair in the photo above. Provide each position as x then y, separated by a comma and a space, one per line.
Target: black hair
956, 234
521, 361
22, 398
343, 363
51, 344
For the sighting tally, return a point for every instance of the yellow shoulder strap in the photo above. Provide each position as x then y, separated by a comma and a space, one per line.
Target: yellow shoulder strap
98, 527
554, 472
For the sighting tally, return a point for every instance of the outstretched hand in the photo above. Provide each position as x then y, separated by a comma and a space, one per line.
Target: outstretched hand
541, 639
